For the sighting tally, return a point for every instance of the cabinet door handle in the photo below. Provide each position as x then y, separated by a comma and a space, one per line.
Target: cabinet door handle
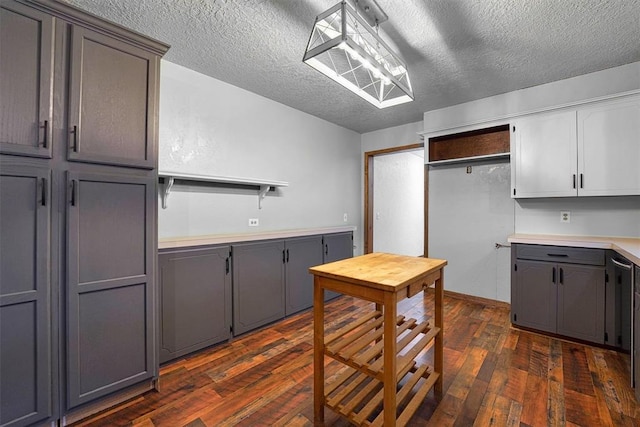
43, 192
287, 255
74, 141
553, 275
73, 192
561, 276
45, 128
227, 265
574, 180
326, 249
581, 180
283, 257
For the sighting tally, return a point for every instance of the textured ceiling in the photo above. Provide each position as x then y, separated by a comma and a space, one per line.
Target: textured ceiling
456, 50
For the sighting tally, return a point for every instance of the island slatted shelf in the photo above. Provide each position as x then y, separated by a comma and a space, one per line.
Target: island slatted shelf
381, 383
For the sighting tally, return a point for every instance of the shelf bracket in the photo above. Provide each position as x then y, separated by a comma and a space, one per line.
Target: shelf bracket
264, 189
166, 190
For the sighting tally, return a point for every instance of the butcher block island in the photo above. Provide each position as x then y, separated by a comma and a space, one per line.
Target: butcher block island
381, 383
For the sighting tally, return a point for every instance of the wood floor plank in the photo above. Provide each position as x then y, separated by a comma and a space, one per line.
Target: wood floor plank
494, 375
534, 407
575, 369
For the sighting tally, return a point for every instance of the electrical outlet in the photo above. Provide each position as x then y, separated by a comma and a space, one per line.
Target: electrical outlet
565, 216
254, 222
345, 217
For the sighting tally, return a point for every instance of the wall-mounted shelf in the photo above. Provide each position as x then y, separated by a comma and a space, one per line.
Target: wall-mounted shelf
479, 144
496, 156
169, 179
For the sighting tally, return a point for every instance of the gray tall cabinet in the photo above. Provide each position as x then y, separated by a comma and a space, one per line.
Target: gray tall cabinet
78, 177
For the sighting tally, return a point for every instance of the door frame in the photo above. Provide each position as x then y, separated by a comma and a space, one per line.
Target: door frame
368, 194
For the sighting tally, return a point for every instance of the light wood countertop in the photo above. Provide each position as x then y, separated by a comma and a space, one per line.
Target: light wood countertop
220, 239
628, 247
388, 272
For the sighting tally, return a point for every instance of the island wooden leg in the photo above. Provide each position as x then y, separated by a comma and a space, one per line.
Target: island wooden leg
389, 359
318, 352
439, 340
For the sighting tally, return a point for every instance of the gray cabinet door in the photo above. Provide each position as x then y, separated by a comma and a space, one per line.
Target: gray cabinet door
258, 284
110, 284
336, 247
301, 254
112, 105
25, 296
534, 298
581, 291
26, 80
195, 300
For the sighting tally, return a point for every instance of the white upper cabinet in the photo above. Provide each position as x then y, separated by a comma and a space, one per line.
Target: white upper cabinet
593, 150
544, 149
609, 148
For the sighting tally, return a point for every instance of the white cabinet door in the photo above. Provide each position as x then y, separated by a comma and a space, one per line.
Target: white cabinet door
545, 155
609, 148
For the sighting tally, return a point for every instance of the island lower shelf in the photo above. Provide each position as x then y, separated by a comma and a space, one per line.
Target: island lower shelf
357, 392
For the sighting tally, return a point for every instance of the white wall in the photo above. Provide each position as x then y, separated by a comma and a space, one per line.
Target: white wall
398, 203
594, 85
212, 128
468, 214
609, 216
616, 216
397, 136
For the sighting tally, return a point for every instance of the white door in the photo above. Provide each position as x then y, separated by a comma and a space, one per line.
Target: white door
398, 203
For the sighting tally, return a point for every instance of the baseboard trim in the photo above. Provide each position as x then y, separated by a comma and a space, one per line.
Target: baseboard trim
478, 300
108, 402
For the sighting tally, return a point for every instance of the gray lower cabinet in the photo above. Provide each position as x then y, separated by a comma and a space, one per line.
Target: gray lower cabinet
26, 80
110, 284
258, 284
534, 295
337, 246
269, 280
581, 302
25, 296
195, 300
559, 290
301, 254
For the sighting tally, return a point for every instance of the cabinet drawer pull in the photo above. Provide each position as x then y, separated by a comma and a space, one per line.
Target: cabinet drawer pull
558, 255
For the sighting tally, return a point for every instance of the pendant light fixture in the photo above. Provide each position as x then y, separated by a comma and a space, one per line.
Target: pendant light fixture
346, 47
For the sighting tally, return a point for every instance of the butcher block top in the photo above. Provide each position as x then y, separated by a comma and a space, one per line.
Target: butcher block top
388, 272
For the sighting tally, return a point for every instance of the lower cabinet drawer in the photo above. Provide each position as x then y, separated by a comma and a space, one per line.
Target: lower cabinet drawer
562, 254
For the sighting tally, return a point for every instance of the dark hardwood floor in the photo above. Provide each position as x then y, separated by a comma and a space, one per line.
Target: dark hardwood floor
494, 375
